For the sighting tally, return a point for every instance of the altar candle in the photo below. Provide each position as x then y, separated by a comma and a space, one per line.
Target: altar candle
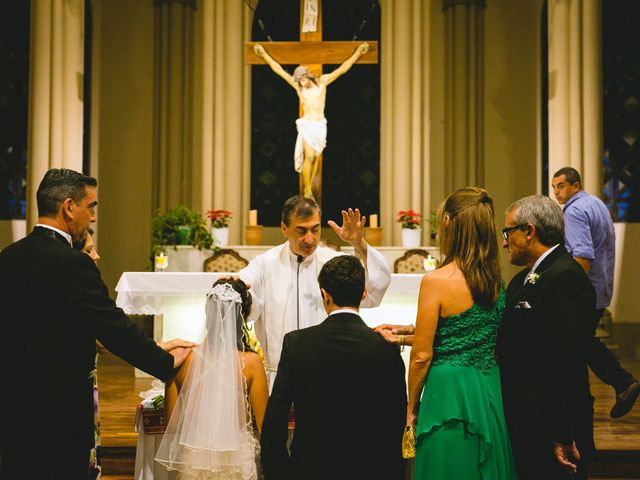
253, 217
373, 220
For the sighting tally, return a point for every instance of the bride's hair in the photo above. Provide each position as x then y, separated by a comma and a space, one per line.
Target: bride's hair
467, 236
240, 287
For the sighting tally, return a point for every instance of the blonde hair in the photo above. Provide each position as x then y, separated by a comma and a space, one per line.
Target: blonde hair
467, 236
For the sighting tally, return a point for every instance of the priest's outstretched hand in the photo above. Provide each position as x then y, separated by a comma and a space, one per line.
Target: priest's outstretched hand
352, 230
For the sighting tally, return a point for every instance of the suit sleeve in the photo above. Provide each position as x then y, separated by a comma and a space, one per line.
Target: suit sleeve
90, 302
273, 442
570, 309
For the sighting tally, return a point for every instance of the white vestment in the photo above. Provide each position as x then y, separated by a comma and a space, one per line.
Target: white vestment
314, 134
274, 278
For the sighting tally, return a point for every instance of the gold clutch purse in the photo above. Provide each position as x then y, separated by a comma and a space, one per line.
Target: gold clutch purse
409, 442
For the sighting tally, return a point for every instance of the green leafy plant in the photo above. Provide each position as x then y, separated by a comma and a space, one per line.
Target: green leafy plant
168, 229
433, 226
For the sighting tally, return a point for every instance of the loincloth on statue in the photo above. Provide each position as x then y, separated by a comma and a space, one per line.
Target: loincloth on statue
314, 134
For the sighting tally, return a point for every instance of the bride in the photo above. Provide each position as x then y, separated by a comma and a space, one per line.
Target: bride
222, 396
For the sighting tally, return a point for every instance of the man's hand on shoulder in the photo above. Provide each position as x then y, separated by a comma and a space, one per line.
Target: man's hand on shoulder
176, 343
179, 354
396, 334
179, 349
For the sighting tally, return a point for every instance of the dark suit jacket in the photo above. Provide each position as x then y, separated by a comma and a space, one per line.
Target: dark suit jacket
541, 352
348, 387
54, 305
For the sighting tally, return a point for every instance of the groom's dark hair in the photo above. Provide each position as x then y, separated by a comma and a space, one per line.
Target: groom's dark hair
342, 277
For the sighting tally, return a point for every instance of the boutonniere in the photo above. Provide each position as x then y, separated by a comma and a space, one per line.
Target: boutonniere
532, 278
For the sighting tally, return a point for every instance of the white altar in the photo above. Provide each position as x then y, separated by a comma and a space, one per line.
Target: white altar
179, 298
185, 258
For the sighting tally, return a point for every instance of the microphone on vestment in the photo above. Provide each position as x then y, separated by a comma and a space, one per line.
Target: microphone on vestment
299, 259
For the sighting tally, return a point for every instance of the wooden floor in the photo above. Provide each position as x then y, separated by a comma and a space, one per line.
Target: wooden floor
119, 391
622, 433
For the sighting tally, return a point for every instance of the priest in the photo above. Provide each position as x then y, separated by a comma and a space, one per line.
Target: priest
284, 280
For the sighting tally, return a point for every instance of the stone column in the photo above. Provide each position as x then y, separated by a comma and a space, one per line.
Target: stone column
173, 103
404, 112
222, 112
464, 93
575, 89
55, 92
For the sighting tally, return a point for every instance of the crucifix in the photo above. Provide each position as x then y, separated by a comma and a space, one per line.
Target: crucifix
310, 84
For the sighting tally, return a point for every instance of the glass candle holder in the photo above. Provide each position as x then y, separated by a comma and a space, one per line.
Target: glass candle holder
161, 262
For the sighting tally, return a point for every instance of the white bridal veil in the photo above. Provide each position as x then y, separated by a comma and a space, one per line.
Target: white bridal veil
210, 433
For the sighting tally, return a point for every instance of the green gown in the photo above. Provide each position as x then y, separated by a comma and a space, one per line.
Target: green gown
461, 431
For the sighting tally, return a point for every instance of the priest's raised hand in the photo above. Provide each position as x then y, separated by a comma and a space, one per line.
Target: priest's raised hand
352, 231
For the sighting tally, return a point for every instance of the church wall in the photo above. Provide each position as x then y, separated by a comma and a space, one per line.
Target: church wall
625, 304
436, 129
122, 103
511, 105
11, 231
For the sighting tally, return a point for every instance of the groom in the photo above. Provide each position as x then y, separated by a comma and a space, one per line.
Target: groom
348, 388
542, 346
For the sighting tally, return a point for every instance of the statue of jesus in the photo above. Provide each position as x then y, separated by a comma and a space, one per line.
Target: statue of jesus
312, 126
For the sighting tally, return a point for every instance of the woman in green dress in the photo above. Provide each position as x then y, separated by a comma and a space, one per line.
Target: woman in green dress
455, 402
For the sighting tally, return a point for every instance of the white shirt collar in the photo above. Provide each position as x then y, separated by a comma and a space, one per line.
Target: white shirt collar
539, 261
64, 234
345, 310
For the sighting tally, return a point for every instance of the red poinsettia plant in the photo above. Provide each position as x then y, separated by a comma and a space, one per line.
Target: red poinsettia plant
219, 218
409, 219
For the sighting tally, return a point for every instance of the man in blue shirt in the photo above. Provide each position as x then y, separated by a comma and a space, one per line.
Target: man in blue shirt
590, 239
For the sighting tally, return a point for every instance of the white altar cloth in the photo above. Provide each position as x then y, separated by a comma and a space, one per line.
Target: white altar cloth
180, 298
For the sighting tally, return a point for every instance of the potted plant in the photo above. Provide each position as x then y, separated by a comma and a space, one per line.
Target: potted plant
180, 226
433, 226
220, 226
411, 231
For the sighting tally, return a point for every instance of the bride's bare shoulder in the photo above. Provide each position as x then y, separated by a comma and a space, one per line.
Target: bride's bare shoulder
252, 360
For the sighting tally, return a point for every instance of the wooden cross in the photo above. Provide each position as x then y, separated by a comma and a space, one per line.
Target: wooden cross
312, 52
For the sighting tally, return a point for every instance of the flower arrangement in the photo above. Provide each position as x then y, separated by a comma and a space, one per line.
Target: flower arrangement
409, 219
219, 218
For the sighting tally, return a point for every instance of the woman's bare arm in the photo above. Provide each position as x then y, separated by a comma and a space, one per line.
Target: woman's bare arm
173, 386
429, 301
259, 388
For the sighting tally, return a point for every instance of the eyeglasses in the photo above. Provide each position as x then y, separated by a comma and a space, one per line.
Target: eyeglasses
508, 230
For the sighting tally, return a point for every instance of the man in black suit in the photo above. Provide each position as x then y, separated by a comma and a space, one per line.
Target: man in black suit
54, 306
348, 388
542, 346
